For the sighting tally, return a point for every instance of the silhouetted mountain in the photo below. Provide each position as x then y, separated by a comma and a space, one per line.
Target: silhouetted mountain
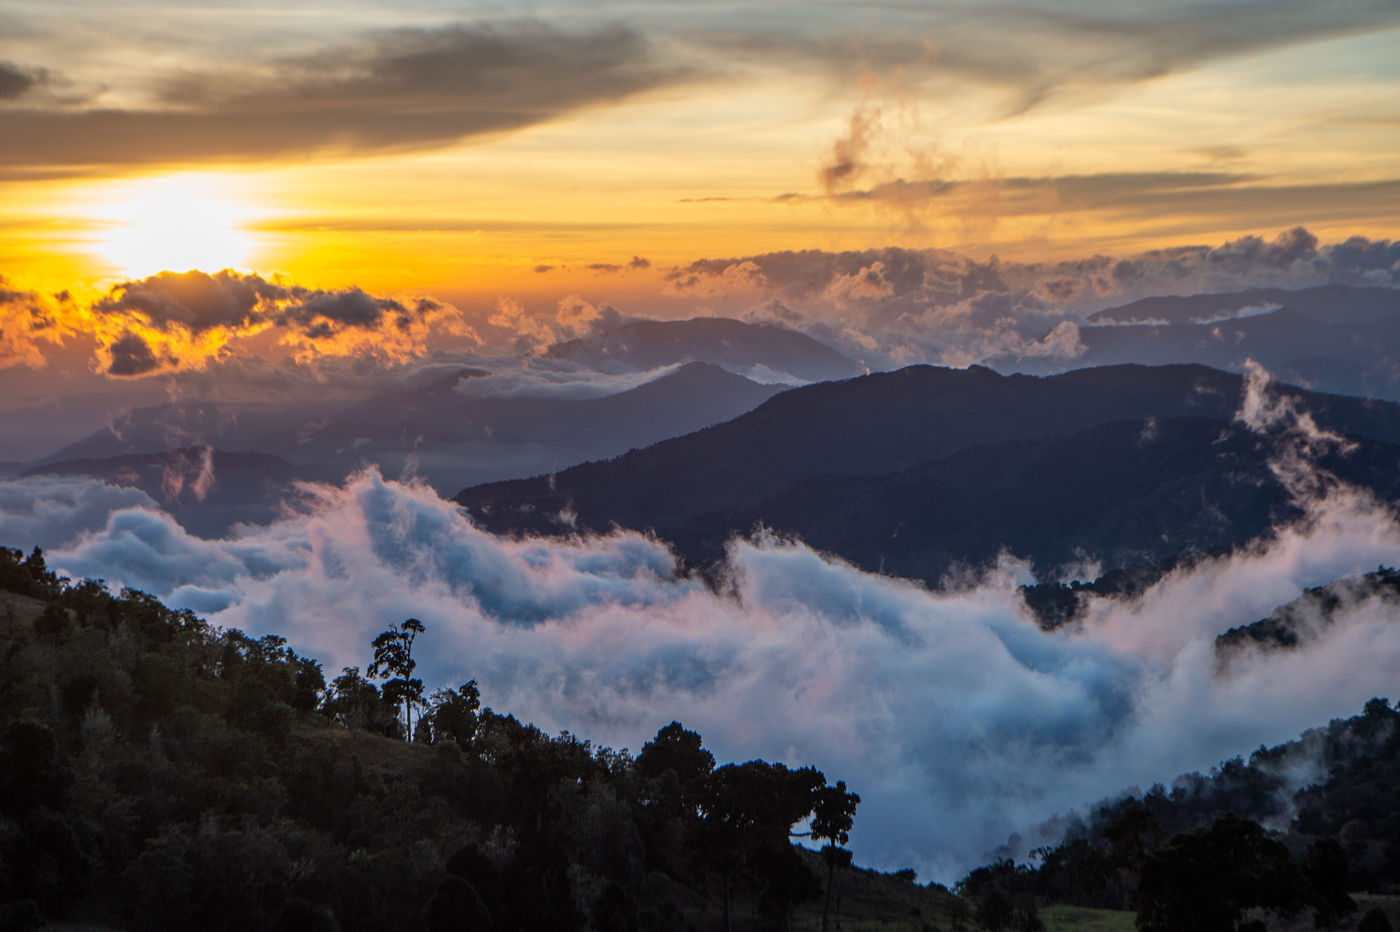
1334, 304
914, 471
1334, 338
751, 349
439, 432
1124, 493
692, 396
160, 428
208, 490
447, 432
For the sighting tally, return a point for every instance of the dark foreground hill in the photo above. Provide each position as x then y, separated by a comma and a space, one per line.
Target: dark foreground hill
1196, 856
915, 471
158, 773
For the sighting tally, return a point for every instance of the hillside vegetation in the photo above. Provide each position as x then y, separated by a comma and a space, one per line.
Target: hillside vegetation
157, 772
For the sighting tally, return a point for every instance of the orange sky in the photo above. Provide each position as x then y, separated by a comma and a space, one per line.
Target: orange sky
585, 153
421, 150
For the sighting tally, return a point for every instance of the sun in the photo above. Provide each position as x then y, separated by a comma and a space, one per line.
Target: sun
172, 223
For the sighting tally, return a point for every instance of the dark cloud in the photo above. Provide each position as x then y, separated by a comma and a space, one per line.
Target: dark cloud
1222, 153
325, 312
131, 355
402, 89
197, 301
16, 81
639, 262
187, 319
1150, 196
1065, 192
25, 318
847, 159
193, 300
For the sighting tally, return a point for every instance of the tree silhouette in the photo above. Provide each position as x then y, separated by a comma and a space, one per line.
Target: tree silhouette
453, 714
394, 663
748, 815
833, 814
1208, 878
353, 701
678, 751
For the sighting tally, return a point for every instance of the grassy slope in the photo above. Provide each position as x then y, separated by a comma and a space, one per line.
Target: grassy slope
1061, 918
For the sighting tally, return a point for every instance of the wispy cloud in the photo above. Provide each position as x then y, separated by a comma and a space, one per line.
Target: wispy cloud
1041, 52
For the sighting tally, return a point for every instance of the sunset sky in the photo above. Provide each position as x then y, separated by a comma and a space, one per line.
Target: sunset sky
501, 157
280, 280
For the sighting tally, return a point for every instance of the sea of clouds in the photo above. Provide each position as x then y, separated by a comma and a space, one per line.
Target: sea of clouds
957, 720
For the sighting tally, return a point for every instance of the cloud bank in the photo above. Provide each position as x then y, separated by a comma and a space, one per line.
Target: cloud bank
886, 307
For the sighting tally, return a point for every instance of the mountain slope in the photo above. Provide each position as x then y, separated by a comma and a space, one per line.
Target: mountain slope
912, 470
1123, 494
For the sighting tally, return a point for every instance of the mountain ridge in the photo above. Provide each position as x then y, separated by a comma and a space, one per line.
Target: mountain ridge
844, 465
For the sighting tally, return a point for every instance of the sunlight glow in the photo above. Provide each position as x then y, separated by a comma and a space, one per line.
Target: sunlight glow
173, 222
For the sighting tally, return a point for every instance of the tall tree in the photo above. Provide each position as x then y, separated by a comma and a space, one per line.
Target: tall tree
833, 814
394, 663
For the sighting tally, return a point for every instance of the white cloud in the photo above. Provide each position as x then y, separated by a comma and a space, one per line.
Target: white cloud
956, 718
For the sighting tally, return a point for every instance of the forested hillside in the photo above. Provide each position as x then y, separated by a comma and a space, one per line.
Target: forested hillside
1198, 855
156, 772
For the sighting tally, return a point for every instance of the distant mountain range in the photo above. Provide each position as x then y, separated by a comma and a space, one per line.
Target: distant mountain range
1329, 304
447, 432
917, 471
1334, 338
435, 430
207, 490
765, 352
519, 423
